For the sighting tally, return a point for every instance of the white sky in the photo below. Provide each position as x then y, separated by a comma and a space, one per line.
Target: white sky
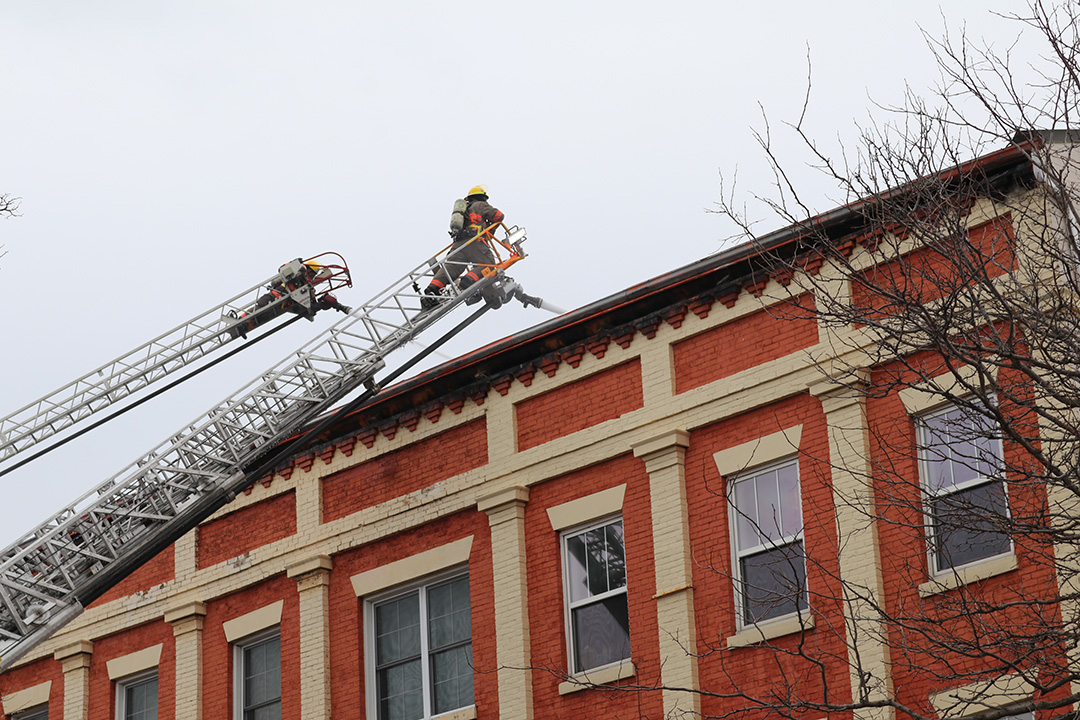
169, 155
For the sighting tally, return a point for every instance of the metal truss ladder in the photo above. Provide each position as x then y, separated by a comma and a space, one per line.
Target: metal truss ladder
138, 369
50, 574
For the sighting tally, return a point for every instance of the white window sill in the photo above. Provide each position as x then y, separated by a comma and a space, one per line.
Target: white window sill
952, 579
466, 713
598, 676
772, 629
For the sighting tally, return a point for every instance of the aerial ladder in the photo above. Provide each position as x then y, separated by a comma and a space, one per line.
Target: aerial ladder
50, 574
302, 287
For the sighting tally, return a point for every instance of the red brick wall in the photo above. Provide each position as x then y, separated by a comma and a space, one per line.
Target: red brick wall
929, 273
35, 673
758, 670
546, 620
218, 676
415, 466
924, 667
246, 529
103, 691
160, 568
578, 405
744, 343
346, 610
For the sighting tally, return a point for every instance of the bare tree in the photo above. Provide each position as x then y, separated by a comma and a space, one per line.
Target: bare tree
948, 286
9, 207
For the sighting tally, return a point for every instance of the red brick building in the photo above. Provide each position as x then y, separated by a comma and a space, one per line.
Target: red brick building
658, 490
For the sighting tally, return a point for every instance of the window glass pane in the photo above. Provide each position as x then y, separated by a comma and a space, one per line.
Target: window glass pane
140, 700
448, 609
398, 629
616, 555
790, 500
401, 692
578, 577
768, 505
746, 514
958, 448
262, 672
452, 679
596, 556
38, 714
773, 583
601, 633
967, 525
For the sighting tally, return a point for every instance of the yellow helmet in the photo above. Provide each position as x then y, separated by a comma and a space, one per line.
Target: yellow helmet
478, 190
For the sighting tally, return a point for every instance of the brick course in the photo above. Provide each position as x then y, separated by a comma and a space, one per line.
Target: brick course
398, 472
159, 569
578, 405
744, 343
246, 529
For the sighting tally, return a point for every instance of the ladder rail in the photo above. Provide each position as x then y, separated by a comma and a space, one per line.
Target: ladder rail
42, 574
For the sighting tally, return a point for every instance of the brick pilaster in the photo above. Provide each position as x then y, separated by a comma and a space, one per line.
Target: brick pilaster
506, 516
313, 582
75, 662
664, 457
859, 552
187, 625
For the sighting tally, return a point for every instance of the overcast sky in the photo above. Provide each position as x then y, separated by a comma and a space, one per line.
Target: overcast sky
169, 155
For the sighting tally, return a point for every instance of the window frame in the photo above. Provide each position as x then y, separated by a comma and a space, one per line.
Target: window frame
738, 553
122, 684
928, 495
239, 646
419, 585
569, 606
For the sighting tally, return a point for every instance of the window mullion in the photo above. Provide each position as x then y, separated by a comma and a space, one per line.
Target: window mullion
427, 689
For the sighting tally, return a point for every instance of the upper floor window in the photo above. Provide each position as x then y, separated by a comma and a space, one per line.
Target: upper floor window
40, 712
961, 465
137, 697
258, 674
421, 645
770, 562
597, 616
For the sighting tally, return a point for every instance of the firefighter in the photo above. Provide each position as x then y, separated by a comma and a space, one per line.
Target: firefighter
470, 217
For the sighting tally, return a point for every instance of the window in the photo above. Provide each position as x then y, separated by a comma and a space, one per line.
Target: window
421, 645
41, 712
137, 697
770, 564
597, 617
258, 675
966, 503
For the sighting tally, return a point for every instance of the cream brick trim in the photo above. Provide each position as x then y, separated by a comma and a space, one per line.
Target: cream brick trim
601, 676
771, 630
253, 622
38, 694
76, 650
134, 662
468, 713
412, 567
735, 460
585, 509
183, 612
966, 575
313, 564
979, 696
492, 501
934, 392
